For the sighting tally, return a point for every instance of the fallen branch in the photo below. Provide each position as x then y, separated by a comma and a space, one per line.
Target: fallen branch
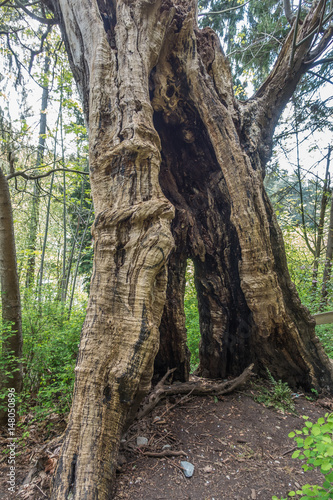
164, 453
201, 387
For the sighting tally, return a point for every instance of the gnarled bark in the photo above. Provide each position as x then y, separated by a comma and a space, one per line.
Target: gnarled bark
132, 238
166, 133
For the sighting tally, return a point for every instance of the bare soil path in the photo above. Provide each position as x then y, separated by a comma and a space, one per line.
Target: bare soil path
240, 450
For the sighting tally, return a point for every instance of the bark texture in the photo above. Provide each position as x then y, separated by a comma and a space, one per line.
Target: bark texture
132, 238
167, 136
10, 292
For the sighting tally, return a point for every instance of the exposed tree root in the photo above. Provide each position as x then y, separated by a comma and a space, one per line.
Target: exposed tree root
199, 387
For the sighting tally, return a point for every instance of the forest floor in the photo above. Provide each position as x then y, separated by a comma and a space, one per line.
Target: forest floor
239, 448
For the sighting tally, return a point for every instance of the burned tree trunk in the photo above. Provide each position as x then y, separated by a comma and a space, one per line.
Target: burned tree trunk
173, 350
167, 135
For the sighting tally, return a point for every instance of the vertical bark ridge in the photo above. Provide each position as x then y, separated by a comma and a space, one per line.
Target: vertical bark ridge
173, 351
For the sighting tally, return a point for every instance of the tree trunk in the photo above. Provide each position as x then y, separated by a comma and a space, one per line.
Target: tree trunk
328, 260
10, 295
173, 351
151, 81
78, 259
34, 215
320, 231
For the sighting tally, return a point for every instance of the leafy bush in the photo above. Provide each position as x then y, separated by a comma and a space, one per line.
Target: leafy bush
316, 448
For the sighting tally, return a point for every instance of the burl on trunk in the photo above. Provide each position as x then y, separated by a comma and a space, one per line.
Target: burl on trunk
177, 167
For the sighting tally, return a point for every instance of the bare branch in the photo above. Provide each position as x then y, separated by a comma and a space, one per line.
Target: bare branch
41, 176
164, 453
321, 61
324, 43
295, 34
320, 76
199, 388
212, 13
11, 30
42, 20
306, 38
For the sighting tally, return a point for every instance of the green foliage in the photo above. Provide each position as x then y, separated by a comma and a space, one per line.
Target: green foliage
8, 363
192, 316
251, 36
325, 334
50, 350
315, 446
278, 395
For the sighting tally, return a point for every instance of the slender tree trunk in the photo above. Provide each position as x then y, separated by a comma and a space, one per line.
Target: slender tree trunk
34, 217
74, 243
78, 261
320, 232
62, 291
328, 260
10, 294
300, 186
47, 220
166, 134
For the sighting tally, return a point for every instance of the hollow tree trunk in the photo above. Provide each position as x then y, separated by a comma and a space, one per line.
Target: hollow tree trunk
151, 81
213, 154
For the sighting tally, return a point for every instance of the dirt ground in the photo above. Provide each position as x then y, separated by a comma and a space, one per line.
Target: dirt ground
240, 450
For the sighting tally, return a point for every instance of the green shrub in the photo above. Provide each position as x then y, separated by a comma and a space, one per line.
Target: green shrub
50, 349
315, 446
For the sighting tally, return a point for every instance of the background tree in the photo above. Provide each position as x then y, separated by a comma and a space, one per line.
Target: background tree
11, 369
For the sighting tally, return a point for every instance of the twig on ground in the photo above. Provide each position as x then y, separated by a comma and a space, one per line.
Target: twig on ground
289, 451
178, 402
40, 490
164, 453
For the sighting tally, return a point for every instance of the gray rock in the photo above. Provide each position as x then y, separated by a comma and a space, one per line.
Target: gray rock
141, 441
166, 447
188, 468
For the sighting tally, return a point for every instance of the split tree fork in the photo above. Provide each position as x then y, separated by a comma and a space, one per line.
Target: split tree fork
177, 167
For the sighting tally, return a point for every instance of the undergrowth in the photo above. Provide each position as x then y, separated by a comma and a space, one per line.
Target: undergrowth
315, 449
277, 395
